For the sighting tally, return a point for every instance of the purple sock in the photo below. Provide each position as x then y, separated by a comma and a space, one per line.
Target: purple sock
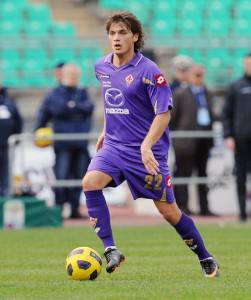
99, 214
189, 233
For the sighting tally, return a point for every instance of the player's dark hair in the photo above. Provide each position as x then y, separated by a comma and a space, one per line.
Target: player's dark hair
248, 55
132, 23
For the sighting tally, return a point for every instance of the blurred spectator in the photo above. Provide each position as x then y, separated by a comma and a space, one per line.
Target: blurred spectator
69, 108
10, 123
237, 129
58, 71
192, 111
180, 68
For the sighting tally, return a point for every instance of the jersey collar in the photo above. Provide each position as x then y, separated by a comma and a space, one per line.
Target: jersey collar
134, 62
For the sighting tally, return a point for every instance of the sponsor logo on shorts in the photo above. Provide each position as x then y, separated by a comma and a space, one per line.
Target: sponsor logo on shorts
168, 182
160, 80
129, 79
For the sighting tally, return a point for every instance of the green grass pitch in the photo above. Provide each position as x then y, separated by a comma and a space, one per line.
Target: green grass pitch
158, 265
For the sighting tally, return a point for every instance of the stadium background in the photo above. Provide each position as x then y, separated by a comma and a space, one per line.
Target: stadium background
37, 34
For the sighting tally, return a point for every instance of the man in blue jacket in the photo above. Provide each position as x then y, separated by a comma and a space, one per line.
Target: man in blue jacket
10, 123
69, 109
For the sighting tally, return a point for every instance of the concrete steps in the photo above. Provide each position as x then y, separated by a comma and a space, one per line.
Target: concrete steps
81, 16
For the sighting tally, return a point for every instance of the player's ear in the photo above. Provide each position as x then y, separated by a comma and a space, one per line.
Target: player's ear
135, 37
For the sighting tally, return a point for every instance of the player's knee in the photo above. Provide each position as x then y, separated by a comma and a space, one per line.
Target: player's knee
88, 183
91, 182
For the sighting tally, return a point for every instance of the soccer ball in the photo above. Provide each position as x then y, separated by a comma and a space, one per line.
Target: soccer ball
83, 263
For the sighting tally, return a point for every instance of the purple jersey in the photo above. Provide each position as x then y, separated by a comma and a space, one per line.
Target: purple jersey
133, 95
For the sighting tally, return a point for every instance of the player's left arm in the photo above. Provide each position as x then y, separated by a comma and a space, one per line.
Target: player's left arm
155, 132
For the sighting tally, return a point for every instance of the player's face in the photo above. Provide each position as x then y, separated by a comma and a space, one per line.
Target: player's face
121, 39
247, 65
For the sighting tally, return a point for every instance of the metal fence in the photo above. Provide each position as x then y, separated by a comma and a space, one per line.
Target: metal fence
29, 137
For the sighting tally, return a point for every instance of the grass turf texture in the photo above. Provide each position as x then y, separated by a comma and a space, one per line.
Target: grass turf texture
158, 265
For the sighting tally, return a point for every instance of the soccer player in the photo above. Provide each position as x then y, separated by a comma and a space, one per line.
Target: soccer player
135, 140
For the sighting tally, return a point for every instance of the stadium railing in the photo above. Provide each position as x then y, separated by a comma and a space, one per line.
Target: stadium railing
29, 137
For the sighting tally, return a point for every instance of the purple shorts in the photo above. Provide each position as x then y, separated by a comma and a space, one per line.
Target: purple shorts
127, 165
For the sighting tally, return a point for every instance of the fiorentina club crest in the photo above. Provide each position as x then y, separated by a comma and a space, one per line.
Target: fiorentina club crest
129, 79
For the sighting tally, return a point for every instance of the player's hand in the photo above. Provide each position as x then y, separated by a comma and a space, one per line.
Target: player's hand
100, 142
149, 161
230, 143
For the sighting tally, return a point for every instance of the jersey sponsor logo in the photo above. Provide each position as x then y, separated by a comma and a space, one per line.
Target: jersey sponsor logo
117, 111
147, 81
160, 80
106, 84
103, 76
129, 79
114, 97
168, 182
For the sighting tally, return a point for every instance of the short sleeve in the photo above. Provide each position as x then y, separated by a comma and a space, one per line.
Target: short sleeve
96, 72
158, 90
